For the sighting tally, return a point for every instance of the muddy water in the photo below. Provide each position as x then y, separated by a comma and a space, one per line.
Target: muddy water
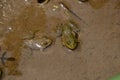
97, 58
98, 3
31, 20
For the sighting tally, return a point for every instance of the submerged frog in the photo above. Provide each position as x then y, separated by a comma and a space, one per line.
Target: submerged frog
38, 43
69, 35
4, 59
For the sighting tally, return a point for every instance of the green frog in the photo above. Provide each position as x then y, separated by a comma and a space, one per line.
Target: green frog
69, 35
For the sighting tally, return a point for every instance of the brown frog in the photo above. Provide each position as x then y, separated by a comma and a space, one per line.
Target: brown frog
38, 43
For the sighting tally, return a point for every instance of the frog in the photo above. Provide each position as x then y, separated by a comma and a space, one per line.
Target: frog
69, 35
38, 43
4, 58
